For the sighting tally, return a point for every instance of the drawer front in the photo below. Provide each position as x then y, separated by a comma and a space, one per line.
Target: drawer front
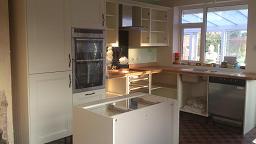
89, 96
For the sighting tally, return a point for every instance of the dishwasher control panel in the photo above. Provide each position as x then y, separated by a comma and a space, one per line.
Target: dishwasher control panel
228, 81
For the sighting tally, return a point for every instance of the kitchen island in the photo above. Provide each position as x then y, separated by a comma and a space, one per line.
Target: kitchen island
193, 82
136, 118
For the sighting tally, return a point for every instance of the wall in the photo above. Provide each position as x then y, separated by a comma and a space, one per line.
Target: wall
5, 66
142, 55
251, 42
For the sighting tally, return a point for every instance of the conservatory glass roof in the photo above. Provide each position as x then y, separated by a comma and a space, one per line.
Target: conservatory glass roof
219, 18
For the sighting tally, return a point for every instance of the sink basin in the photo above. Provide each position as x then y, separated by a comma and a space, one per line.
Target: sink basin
200, 69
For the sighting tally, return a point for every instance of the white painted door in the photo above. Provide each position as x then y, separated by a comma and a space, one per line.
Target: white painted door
48, 36
88, 14
50, 106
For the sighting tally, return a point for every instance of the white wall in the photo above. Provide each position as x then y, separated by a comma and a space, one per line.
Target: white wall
251, 40
5, 65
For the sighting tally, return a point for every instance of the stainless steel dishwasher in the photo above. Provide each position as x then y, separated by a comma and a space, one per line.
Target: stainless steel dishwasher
226, 100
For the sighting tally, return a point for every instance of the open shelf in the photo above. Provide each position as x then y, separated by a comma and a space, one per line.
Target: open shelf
140, 79
194, 95
136, 87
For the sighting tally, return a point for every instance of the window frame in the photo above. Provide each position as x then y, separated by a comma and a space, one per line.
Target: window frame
202, 25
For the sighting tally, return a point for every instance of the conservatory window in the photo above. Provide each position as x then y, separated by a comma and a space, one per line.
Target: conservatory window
223, 33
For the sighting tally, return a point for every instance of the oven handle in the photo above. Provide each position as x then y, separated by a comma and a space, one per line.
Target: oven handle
83, 39
89, 94
92, 60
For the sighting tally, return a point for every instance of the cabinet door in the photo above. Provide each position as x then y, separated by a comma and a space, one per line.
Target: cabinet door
88, 14
48, 36
50, 107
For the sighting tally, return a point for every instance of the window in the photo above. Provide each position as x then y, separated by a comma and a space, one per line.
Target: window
226, 33
192, 16
221, 36
191, 44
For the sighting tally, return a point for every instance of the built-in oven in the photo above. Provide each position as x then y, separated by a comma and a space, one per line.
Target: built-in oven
88, 59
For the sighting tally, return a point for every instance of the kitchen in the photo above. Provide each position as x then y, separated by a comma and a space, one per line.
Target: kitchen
58, 52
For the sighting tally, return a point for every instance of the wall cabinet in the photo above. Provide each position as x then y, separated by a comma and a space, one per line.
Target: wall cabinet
88, 14
154, 30
153, 20
50, 106
112, 23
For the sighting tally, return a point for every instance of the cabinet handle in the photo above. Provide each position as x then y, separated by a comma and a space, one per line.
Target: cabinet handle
103, 20
69, 85
90, 94
69, 58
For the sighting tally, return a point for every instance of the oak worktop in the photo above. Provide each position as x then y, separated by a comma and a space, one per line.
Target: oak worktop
204, 71
180, 69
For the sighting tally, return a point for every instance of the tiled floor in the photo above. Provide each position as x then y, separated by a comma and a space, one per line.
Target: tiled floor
200, 130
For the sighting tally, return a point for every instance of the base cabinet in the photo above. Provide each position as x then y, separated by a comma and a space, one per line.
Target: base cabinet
148, 119
50, 107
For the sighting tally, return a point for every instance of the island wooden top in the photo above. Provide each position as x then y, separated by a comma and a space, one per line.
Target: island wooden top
202, 71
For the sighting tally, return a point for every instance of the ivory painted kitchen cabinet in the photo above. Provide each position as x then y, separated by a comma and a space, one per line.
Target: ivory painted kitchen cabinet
154, 22
50, 107
48, 36
42, 97
88, 14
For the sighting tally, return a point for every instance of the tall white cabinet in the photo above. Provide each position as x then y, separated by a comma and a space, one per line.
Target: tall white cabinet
41, 70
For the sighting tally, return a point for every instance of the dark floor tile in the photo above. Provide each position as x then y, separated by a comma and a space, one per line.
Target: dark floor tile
201, 130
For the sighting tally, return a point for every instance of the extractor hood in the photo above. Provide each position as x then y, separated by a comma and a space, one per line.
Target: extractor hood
129, 17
